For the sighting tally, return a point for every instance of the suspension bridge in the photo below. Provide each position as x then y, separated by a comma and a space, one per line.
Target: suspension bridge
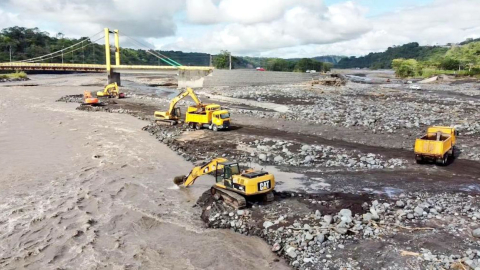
191, 76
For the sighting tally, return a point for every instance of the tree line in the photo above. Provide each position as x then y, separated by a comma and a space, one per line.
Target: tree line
20, 43
383, 60
459, 59
222, 61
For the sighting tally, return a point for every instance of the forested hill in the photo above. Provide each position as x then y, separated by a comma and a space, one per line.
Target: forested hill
383, 60
27, 43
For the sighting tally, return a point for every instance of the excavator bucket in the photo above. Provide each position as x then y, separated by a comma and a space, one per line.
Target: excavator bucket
179, 180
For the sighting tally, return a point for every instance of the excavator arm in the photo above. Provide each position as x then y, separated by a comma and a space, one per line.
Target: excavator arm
175, 100
198, 171
171, 114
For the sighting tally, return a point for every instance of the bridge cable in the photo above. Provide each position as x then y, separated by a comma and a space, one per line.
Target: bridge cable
62, 50
155, 53
54, 56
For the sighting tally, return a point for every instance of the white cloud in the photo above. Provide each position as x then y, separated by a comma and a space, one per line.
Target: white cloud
283, 28
243, 11
143, 18
247, 26
343, 29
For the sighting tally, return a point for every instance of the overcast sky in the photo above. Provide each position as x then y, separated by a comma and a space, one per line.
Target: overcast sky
280, 28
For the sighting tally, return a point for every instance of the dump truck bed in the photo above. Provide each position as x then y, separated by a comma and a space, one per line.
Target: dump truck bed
428, 145
202, 118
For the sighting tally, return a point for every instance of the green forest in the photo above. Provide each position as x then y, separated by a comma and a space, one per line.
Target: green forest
20, 43
383, 60
25, 43
459, 59
221, 61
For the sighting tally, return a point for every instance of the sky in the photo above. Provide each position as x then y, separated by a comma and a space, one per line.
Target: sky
266, 28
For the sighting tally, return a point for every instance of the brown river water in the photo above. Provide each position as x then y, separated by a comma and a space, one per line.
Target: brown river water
83, 190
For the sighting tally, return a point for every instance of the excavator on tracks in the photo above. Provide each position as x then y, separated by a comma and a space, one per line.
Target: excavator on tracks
173, 114
210, 116
111, 91
232, 185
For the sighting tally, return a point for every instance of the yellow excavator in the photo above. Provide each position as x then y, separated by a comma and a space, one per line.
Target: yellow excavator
173, 114
232, 184
111, 91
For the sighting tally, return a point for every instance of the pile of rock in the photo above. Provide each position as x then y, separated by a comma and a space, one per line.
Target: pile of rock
360, 105
306, 239
71, 98
283, 152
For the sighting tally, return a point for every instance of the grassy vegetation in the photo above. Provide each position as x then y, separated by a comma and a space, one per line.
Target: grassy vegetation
14, 76
221, 61
461, 60
383, 60
429, 72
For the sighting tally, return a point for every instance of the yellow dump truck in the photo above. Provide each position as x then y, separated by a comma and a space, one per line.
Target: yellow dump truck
209, 116
437, 145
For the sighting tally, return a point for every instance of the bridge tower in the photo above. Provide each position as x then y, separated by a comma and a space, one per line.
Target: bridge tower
112, 76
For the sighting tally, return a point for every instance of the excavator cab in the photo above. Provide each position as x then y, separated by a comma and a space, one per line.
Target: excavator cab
225, 171
177, 113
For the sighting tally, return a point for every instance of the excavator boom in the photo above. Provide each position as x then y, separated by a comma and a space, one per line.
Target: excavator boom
198, 171
171, 114
187, 92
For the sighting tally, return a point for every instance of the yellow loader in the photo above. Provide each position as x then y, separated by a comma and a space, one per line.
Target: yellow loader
232, 184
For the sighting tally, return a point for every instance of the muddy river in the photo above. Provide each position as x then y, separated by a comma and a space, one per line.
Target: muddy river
83, 190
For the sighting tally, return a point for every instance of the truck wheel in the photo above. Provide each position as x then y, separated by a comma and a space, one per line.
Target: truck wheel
419, 159
191, 125
215, 128
198, 126
443, 161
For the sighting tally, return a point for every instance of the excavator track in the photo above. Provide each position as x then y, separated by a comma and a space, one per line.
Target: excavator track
234, 199
269, 197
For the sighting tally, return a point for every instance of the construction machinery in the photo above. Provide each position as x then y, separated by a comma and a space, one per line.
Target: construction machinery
210, 116
88, 99
232, 184
173, 114
201, 115
111, 91
437, 145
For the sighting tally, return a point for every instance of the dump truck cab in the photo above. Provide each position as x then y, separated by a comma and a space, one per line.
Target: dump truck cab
221, 119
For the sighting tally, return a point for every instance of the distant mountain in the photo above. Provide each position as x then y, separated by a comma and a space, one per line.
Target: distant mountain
383, 60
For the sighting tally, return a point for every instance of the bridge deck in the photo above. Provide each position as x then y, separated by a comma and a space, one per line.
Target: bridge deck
94, 67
